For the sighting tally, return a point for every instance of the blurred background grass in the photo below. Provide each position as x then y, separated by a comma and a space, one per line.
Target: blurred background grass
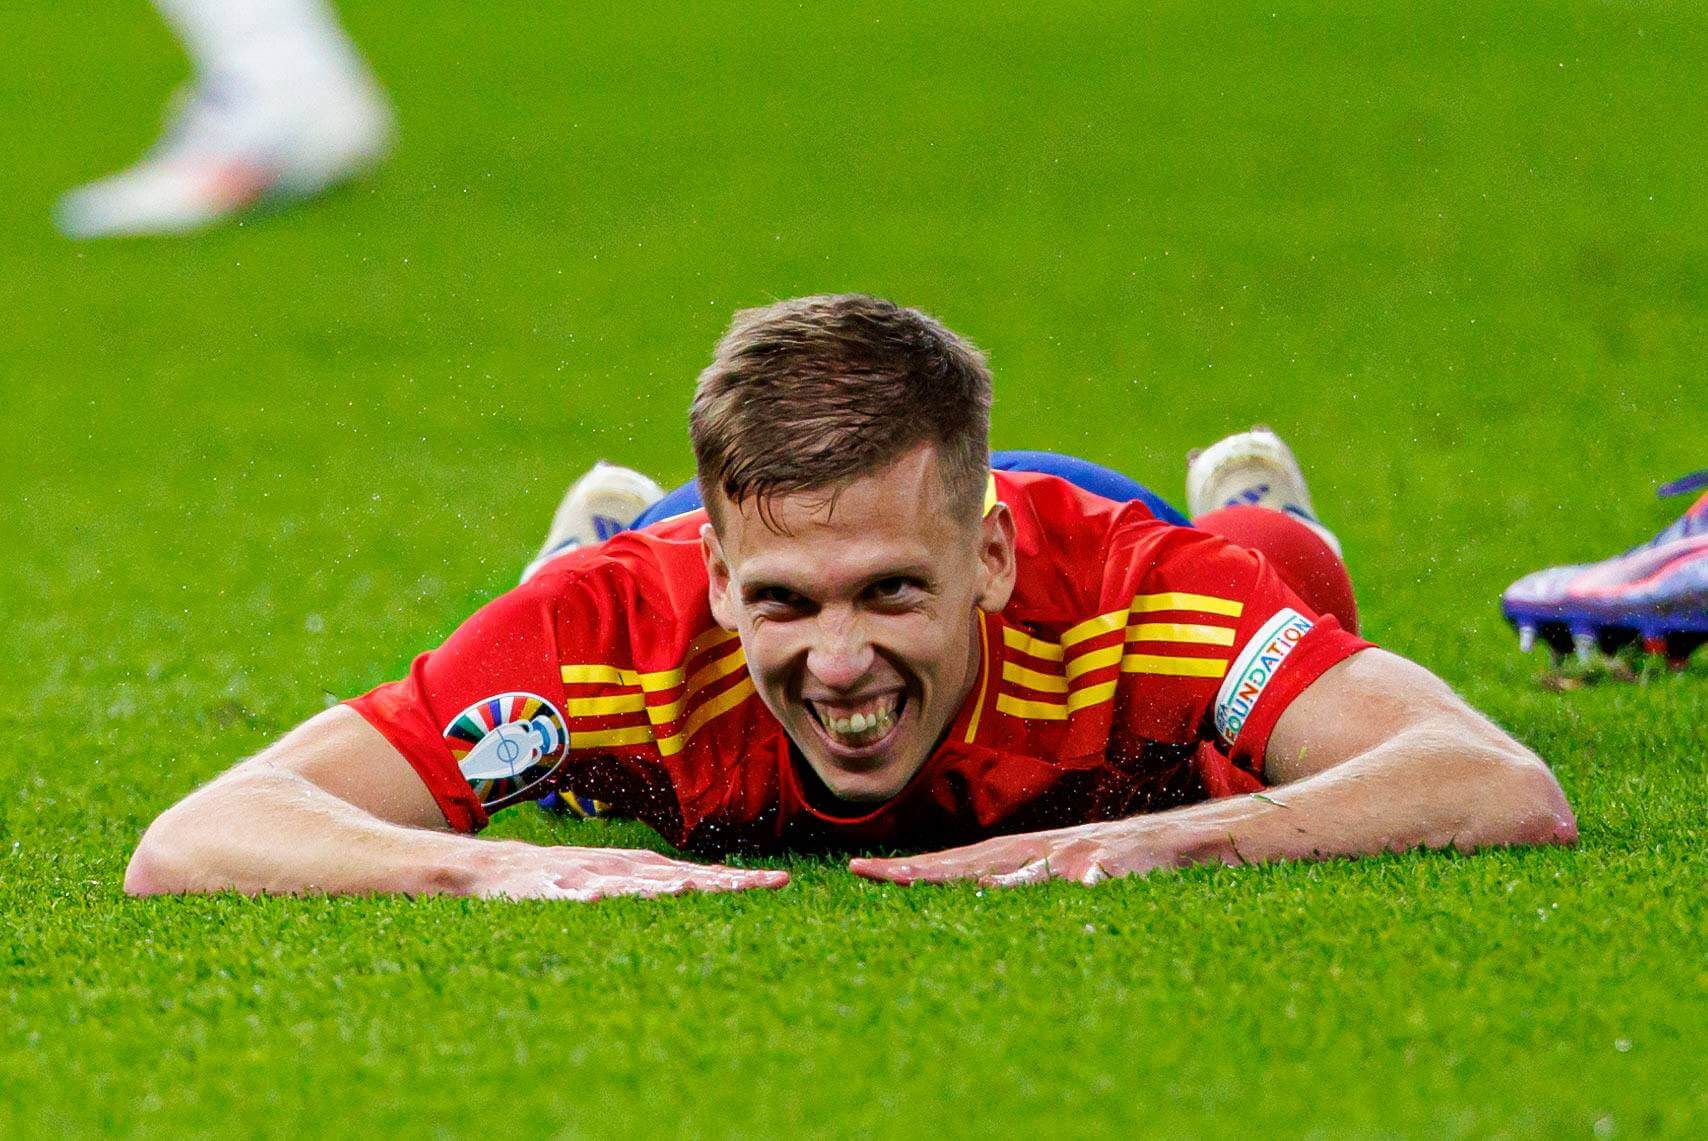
1459, 258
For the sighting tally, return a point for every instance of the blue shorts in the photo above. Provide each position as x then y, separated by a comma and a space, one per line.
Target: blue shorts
1081, 473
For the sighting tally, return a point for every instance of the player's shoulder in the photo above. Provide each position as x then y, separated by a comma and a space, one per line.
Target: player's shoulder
635, 599
1047, 504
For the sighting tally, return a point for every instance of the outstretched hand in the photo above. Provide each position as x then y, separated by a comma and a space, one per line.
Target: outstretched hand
523, 871
1086, 854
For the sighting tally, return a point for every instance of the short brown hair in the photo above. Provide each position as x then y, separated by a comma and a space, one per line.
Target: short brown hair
813, 392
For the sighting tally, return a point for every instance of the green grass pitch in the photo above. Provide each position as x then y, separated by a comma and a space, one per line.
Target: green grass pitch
1457, 253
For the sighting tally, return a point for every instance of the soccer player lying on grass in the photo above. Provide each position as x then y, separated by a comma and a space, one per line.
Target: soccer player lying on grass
874, 641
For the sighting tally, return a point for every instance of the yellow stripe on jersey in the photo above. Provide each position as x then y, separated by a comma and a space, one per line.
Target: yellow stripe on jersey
716, 707
1189, 632
716, 636
1095, 660
605, 706
984, 669
1092, 627
1032, 710
1057, 710
1036, 647
599, 675
1170, 666
1032, 679
669, 711
1179, 600
606, 738
989, 493
1090, 695
722, 667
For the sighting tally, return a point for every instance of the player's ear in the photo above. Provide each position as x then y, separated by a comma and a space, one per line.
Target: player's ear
996, 559
717, 577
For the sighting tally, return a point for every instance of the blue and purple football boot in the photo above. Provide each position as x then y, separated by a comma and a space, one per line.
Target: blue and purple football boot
1656, 594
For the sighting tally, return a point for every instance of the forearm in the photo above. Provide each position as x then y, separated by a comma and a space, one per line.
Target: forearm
1428, 787
262, 829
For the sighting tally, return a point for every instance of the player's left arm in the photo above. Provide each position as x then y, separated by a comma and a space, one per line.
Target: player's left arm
1376, 755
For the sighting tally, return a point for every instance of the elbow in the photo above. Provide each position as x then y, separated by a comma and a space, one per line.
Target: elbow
147, 872
1527, 804
159, 865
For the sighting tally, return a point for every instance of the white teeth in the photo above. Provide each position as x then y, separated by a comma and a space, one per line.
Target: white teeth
871, 725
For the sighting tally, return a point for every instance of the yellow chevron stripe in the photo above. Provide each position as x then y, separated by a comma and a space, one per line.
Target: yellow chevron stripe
1173, 666
1095, 660
1179, 600
599, 675
716, 707
717, 635
634, 735
660, 681
1032, 710
669, 711
989, 494
1190, 632
1057, 711
1092, 627
723, 667
1032, 679
1026, 644
1090, 695
604, 706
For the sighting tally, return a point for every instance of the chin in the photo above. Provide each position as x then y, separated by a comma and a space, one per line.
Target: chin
863, 790
871, 786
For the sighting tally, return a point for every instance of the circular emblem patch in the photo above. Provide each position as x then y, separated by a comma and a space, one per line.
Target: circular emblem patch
506, 745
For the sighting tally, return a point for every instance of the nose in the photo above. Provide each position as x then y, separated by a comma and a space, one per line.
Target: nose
840, 655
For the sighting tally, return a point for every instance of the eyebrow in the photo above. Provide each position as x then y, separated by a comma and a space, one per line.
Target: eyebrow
912, 571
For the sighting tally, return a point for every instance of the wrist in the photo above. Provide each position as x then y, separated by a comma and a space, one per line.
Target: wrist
461, 868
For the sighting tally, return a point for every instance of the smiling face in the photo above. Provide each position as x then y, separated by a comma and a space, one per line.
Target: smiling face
856, 615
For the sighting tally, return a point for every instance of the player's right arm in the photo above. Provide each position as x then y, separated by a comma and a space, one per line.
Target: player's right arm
334, 808
363, 797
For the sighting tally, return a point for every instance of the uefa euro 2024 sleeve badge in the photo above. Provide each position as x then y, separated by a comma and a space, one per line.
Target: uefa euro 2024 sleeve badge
506, 746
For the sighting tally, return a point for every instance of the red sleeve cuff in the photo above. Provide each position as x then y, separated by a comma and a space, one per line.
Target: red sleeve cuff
1325, 645
396, 710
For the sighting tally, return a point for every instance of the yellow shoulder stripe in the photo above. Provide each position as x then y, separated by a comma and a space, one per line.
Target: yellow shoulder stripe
716, 636
1032, 710
604, 706
1179, 600
598, 674
1079, 699
1190, 632
1036, 647
1092, 627
1170, 666
1090, 695
697, 720
606, 738
673, 744
1095, 660
1032, 679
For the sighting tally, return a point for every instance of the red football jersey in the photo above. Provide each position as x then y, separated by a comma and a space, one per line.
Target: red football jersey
1129, 644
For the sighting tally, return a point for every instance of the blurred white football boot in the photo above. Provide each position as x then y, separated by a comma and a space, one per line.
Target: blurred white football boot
598, 505
282, 108
1255, 469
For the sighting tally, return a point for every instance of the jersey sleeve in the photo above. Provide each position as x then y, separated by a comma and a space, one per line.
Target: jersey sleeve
1219, 644
481, 717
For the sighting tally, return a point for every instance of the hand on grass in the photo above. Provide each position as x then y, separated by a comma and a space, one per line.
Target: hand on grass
523, 871
1087, 854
